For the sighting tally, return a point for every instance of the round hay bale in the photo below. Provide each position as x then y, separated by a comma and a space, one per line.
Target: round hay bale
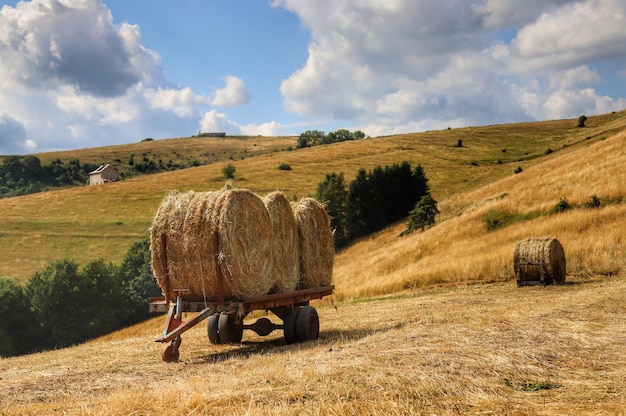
546, 251
185, 219
284, 242
317, 246
244, 252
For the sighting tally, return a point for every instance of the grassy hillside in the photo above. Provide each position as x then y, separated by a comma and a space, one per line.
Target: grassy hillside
430, 323
102, 222
184, 151
461, 250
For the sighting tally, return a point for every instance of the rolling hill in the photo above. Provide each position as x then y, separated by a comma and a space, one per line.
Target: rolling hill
429, 323
85, 223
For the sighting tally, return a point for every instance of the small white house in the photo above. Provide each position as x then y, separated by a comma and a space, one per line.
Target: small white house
104, 174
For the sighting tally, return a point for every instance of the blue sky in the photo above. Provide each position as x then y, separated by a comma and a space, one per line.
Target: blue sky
86, 73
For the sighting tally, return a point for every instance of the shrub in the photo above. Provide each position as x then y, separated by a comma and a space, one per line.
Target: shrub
229, 171
498, 218
518, 170
284, 166
562, 206
594, 202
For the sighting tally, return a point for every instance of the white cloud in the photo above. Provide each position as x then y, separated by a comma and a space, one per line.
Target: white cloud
234, 93
500, 14
271, 128
73, 78
45, 44
394, 66
572, 103
214, 121
570, 78
571, 36
181, 102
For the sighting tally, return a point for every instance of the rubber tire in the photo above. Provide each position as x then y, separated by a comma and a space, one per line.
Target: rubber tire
289, 325
307, 324
170, 354
212, 328
229, 332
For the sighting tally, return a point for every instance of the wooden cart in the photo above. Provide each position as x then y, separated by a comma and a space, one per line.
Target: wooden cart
225, 319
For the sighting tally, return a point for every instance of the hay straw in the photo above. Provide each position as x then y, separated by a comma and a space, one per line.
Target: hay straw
284, 241
231, 243
245, 253
545, 250
185, 220
317, 247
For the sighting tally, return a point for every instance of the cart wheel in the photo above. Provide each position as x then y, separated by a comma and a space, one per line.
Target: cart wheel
229, 333
289, 325
307, 324
170, 353
212, 328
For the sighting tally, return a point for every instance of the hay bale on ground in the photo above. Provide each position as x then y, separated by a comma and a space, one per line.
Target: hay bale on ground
547, 251
317, 246
186, 221
245, 254
284, 241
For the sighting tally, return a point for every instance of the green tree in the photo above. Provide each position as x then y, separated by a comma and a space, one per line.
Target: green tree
310, 138
358, 203
62, 303
17, 331
333, 192
135, 275
340, 135
581, 121
423, 215
32, 166
358, 135
101, 315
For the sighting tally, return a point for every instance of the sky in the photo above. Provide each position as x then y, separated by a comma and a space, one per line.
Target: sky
85, 73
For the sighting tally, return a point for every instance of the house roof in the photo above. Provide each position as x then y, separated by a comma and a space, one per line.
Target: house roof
100, 169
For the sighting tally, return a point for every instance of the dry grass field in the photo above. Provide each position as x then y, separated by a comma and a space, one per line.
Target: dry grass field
460, 249
481, 349
427, 324
104, 221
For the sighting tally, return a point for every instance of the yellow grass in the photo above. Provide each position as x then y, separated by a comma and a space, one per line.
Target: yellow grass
431, 323
103, 222
487, 349
459, 249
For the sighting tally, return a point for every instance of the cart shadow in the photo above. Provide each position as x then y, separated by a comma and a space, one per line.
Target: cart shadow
250, 349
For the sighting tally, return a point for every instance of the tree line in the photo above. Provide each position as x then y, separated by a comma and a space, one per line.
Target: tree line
316, 137
65, 304
376, 199
21, 175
